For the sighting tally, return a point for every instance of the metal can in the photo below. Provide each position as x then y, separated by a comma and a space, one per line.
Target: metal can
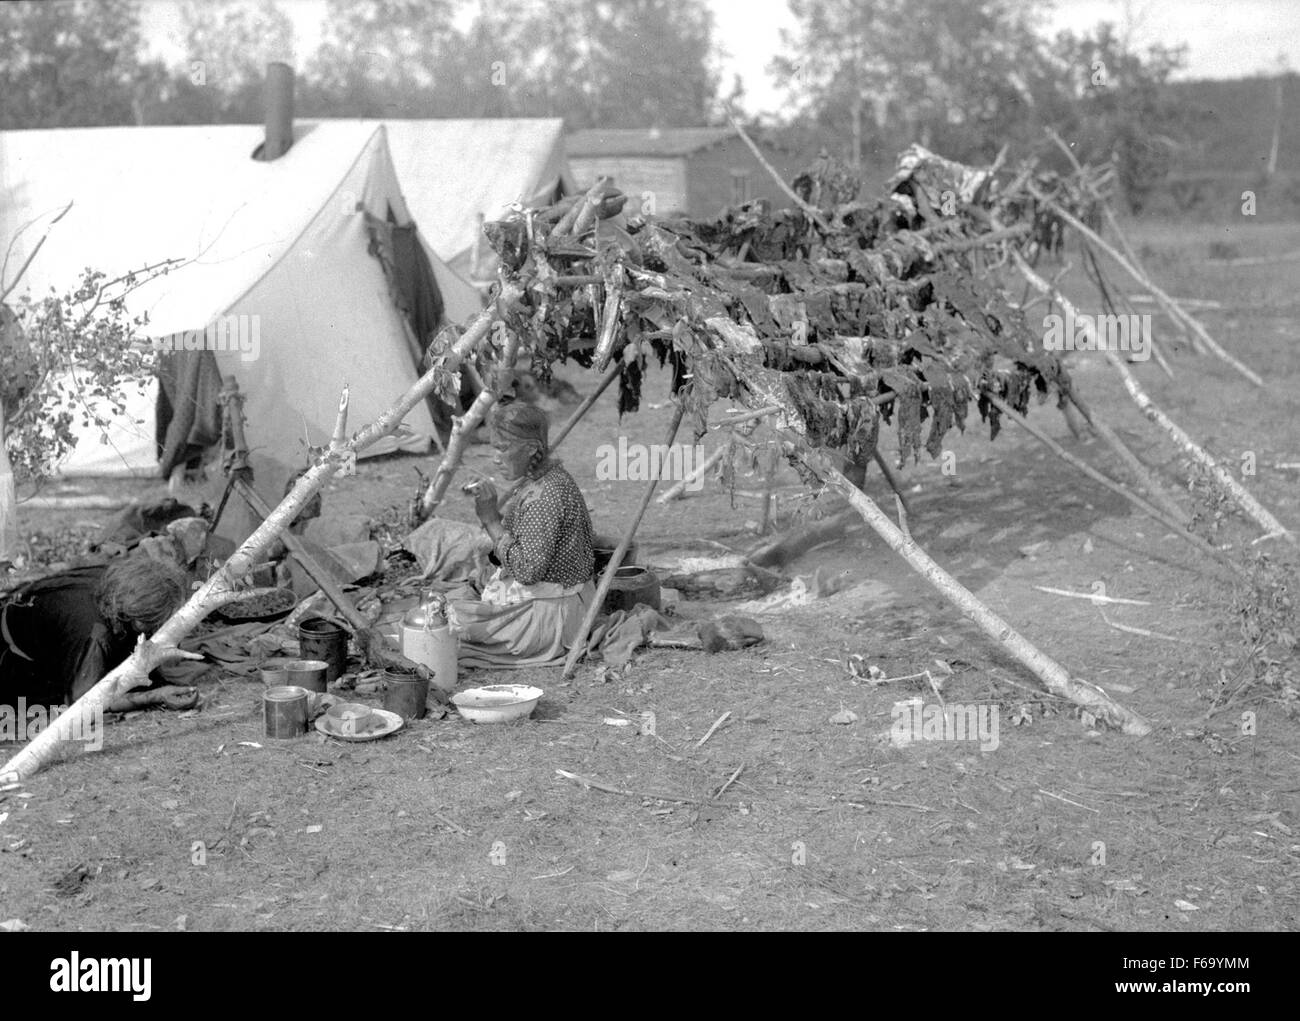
285, 710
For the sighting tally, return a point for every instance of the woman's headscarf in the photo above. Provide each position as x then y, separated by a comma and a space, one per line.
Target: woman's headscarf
523, 423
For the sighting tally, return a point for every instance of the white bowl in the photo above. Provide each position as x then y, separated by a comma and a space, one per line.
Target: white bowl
497, 703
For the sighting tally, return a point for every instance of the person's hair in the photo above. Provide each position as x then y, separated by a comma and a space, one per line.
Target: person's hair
138, 594
521, 422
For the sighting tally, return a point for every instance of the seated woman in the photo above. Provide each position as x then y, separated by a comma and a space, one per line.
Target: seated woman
59, 635
532, 605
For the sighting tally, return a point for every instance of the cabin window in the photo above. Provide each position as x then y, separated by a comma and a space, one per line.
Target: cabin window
740, 190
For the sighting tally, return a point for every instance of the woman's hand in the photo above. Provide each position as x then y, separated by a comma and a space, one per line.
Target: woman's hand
485, 504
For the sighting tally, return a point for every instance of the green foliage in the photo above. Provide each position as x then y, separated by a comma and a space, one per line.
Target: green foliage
43, 338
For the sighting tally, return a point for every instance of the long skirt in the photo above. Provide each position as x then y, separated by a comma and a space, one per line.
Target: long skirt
536, 627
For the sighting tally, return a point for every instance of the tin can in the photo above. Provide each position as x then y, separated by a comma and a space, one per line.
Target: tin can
321, 638
295, 673
285, 710
406, 694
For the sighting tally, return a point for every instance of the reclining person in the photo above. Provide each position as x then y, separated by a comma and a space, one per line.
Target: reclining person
59, 635
530, 608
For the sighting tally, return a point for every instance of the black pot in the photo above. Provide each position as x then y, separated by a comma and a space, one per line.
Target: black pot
604, 554
632, 585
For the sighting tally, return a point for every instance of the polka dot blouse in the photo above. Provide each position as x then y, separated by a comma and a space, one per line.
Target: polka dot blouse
547, 532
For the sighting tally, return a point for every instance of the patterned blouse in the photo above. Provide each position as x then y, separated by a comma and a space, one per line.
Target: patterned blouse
547, 532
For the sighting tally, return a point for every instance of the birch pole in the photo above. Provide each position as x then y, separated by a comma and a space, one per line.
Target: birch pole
1168, 302
219, 589
611, 374
1146, 481
1054, 676
1146, 508
579, 647
1252, 507
1113, 223
676, 491
466, 424
8, 501
809, 210
463, 426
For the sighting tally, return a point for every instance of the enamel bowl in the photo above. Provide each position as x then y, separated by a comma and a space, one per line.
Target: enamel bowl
497, 703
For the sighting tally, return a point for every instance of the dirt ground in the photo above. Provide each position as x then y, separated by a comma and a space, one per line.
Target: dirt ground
202, 823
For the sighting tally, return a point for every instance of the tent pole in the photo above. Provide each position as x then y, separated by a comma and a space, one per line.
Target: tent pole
615, 561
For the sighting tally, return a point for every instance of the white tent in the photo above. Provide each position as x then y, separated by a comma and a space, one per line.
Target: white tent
283, 243
453, 171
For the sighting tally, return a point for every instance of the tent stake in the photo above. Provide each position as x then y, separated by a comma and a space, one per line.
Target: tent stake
616, 561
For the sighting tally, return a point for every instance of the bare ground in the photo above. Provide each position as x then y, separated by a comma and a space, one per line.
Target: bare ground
177, 824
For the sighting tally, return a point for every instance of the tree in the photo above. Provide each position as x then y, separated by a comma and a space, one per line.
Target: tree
381, 58
956, 76
227, 48
72, 63
635, 62
1114, 104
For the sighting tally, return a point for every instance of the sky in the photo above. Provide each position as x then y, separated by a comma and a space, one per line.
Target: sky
1225, 38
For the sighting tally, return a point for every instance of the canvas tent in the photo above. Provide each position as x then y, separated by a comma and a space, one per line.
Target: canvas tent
287, 242
455, 171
